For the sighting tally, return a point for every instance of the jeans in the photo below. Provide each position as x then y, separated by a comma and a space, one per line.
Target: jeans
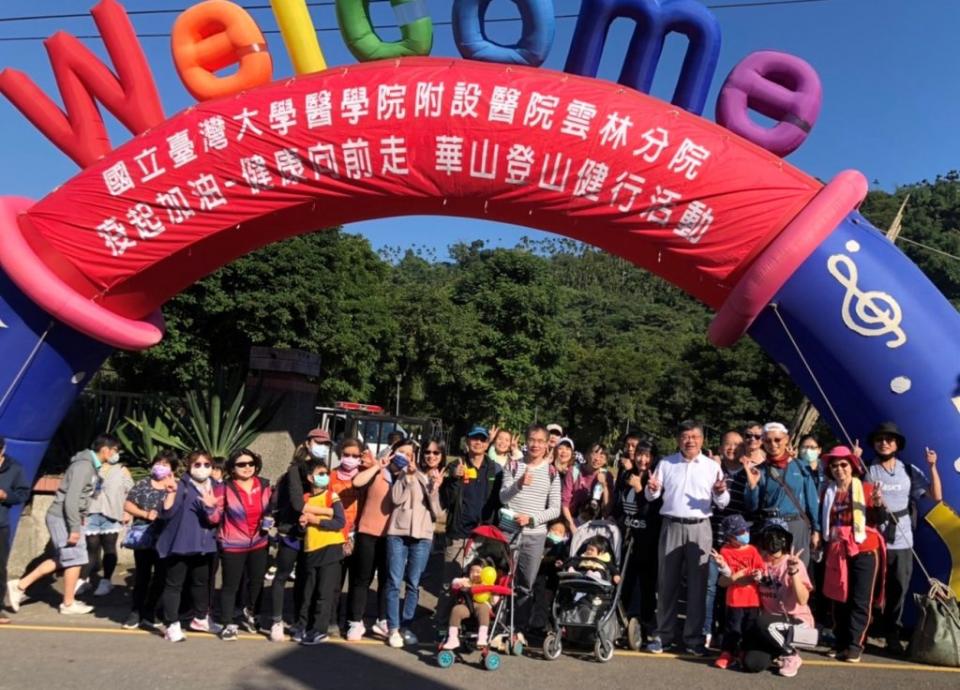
406, 560
713, 576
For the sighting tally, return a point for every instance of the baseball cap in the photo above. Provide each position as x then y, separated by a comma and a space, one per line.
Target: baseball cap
319, 435
478, 431
555, 429
568, 441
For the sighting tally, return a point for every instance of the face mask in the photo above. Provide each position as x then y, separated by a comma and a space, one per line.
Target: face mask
744, 538
114, 459
349, 464
809, 455
200, 474
321, 452
159, 471
400, 462
321, 481
554, 538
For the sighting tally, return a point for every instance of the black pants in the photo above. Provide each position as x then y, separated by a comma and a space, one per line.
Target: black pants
107, 543
235, 565
852, 617
177, 570
736, 623
899, 572
320, 589
768, 638
640, 583
288, 560
544, 591
369, 555
148, 582
4, 556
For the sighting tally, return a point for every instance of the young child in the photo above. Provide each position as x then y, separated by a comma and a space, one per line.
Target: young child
555, 553
741, 568
323, 518
482, 606
596, 562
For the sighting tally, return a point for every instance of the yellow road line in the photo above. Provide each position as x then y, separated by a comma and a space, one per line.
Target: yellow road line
879, 665
121, 631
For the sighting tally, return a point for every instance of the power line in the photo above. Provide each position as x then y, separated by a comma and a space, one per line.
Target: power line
330, 3
928, 248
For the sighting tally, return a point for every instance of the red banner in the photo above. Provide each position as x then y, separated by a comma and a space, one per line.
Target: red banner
588, 159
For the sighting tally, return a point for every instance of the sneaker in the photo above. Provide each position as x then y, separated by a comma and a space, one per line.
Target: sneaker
396, 639
14, 595
724, 660
75, 609
654, 646
206, 625
380, 629
276, 633
790, 665
355, 631
270, 574
174, 633
698, 650
707, 640
852, 656
313, 637
148, 624
132, 622
296, 633
229, 633
409, 639
249, 622
833, 653
104, 587
81, 587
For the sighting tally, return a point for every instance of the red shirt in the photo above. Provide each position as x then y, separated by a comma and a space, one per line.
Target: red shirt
252, 506
841, 515
747, 594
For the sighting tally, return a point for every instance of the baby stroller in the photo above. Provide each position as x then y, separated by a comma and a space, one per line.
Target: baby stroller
586, 609
492, 545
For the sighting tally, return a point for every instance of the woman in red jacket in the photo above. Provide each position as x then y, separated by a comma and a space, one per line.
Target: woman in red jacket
244, 498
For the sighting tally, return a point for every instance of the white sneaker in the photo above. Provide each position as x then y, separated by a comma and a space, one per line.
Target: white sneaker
75, 609
103, 588
355, 631
206, 625
14, 595
174, 633
276, 633
380, 629
81, 587
396, 639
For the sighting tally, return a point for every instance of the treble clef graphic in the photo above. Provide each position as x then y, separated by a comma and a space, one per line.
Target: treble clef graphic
874, 313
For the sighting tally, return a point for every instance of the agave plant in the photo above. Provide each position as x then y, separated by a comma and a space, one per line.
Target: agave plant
143, 436
216, 419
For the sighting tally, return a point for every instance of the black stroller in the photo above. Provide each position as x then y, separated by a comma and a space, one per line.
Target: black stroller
586, 610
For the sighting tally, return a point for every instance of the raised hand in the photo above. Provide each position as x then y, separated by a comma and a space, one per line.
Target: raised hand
527, 477
720, 485
857, 450
753, 474
931, 456
635, 483
209, 499
793, 560
654, 483
718, 559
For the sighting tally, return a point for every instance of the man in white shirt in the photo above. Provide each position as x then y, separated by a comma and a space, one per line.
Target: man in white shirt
689, 483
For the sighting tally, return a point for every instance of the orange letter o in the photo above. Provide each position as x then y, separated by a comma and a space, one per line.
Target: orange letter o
215, 34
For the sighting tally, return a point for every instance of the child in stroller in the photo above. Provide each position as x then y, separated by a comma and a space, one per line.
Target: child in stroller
586, 608
479, 605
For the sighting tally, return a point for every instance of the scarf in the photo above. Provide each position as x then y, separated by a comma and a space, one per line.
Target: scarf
347, 475
781, 462
857, 500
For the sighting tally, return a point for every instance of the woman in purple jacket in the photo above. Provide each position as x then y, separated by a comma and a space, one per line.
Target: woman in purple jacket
190, 514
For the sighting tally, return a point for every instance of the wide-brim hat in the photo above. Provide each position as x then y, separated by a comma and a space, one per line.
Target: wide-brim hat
844, 453
888, 429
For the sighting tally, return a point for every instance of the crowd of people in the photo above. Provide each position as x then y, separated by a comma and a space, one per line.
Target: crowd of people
753, 550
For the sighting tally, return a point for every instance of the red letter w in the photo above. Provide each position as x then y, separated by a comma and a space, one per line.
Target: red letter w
133, 98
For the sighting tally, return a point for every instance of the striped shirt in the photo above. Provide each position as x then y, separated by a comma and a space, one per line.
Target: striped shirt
540, 500
736, 486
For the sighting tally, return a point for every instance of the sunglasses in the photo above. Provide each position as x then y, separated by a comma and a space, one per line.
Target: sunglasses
245, 464
202, 464
841, 465
778, 441
350, 455
755, 437
431, 452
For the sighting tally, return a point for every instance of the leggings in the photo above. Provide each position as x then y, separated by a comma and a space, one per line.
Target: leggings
179, 568
288, 560
96, 542
148, 583
235, 565
461, 612
369, 555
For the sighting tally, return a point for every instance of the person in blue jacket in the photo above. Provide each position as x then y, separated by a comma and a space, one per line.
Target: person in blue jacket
14, 490
784, 488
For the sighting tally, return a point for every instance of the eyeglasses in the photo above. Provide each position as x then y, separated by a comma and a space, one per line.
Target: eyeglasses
243, 464
773, 439
431, 452
350, 455
202, 464
840, 465
755, 437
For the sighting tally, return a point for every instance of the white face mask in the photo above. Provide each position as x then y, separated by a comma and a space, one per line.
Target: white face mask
114, 459
321, 452
200, 474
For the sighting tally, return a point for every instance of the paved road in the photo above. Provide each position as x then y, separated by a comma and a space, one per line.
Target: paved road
45, 650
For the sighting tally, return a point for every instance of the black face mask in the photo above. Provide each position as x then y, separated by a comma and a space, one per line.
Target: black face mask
885, 456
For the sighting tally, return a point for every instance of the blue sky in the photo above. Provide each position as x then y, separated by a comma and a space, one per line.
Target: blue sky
891, 98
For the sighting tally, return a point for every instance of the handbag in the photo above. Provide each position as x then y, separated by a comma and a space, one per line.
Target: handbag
936, 637
140, 536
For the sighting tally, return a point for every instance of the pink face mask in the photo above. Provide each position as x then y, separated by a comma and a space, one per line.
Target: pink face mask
160, 471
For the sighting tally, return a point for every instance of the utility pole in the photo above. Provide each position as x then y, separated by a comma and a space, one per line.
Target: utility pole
397, 410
